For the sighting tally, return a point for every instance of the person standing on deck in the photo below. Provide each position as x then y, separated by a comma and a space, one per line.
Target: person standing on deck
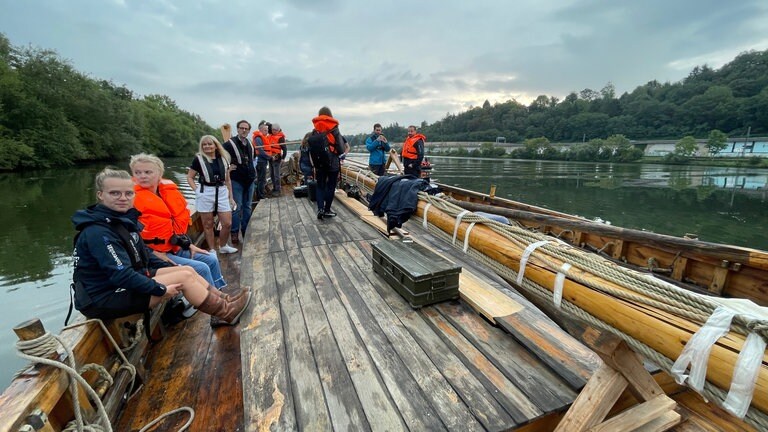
278, 151
166, 219
378, 147
116, 275
305, 162
213, 191
242, 175
326, 145
262, 158
413, 152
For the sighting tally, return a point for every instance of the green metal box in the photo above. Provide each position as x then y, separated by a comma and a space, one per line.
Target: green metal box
420, 275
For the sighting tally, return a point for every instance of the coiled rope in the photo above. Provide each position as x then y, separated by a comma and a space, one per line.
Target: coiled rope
39, 349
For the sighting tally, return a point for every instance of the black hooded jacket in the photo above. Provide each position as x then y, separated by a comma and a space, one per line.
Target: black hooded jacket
103, 263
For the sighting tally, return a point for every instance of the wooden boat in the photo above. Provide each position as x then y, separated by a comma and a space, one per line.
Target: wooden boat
324, 345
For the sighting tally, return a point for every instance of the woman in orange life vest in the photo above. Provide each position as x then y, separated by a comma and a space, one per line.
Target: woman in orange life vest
413, 152
276, 148
213, 193
166, 218
327, 170
107, 287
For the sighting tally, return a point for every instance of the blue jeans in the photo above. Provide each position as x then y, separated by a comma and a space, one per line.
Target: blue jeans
243, 195
261, 178
206, 266
326, 187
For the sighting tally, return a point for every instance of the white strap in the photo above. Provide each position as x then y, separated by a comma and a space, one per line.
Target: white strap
357, 180
744, 375
557, 294
696, 351
458, 222
466, 236
424, 222
524, 259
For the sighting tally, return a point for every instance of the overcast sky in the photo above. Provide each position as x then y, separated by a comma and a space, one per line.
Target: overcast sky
392, 61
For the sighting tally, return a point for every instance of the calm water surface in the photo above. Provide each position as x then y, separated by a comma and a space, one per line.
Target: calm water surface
726, 205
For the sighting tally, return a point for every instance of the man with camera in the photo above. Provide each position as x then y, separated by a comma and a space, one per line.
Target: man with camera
378, 147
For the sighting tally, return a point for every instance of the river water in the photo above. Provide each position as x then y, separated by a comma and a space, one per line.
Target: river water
726, 205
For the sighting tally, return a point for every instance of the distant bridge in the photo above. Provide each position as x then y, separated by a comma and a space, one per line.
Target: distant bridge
736, 146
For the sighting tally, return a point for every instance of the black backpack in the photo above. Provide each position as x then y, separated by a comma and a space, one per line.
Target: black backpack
319, 150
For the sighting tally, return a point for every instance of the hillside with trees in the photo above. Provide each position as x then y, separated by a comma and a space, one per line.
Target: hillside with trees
729, 99
53, 115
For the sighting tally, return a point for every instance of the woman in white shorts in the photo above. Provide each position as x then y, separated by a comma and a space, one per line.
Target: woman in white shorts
208, 176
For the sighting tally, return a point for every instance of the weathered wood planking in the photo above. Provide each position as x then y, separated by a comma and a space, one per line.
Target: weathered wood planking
275, 226
379, 408
306, 388
267, 399
410, 400
288, 218
454, 414
555, 347
344, 405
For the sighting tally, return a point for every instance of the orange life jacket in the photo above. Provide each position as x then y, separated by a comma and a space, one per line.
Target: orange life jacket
409, 146
163, 214
271, 144
325, 124
257, 134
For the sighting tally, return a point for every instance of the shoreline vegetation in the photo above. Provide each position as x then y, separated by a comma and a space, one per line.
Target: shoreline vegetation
52, 115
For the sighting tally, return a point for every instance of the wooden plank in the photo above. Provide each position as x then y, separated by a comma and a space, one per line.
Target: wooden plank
514, 401
711, 414
594, 401
641, 383
410, 400
662, 423
543, 387
257, 233
307, 390
362, 231
639, 416
267, 398
275, 241
309, 218
288, 218
679, 268
484, 298
344, 405
454, 414
719, 279
175, 378
486, 409
379, 408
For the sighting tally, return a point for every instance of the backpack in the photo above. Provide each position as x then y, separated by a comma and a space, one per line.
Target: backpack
319, 149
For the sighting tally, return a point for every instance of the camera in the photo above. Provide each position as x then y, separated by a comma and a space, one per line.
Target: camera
181, 240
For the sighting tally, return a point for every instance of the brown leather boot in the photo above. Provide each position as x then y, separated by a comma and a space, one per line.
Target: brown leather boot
228, 312
233, 296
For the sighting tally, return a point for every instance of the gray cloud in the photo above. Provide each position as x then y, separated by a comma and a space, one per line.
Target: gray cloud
397, 62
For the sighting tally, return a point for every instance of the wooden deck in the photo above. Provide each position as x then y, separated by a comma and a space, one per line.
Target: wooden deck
327, 344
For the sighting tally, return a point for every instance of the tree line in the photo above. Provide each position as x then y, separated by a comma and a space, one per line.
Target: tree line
53, 115
730, 99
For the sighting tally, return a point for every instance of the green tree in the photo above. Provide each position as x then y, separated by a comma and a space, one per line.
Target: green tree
716, 141
686, 147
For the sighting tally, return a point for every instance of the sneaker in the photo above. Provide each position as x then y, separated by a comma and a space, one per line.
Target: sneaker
227, 249
329, 213
212, 251
320, 214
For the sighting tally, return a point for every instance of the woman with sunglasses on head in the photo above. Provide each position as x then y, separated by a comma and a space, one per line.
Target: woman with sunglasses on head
115, 273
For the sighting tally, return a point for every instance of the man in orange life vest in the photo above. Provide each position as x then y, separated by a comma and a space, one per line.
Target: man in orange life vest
413, 152
262, 158
277, 149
